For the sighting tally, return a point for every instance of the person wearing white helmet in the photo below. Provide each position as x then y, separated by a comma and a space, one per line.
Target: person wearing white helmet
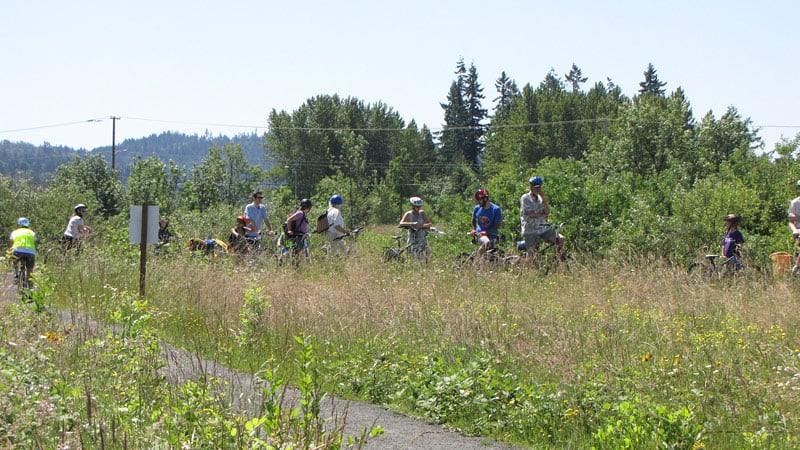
76, 229
336, 229
22, 243
417, 222
534, 211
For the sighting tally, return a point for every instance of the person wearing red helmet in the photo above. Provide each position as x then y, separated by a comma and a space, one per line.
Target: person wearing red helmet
486, 221
237, 238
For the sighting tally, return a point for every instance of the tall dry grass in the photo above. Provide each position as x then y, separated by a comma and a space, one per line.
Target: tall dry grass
605, 313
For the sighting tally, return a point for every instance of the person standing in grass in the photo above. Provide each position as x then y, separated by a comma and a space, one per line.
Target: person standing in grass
534, 211
295, 230
256, 212
417, 223
733, 240
336, 229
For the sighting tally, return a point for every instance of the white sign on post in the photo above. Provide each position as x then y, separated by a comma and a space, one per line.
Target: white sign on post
135, 228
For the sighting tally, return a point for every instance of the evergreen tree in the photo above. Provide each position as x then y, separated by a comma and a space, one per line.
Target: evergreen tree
456, 122
507, 93
575, 78
464, 130
651, 84
476, 115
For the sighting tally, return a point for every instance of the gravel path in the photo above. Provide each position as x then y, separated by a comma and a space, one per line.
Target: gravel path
400, 432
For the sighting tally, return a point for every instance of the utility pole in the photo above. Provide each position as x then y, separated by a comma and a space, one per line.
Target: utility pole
113, 141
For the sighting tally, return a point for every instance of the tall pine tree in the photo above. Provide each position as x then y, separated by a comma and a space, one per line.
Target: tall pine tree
651, 84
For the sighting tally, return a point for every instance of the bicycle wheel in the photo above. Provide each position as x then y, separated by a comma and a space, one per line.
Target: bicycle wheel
561, 264
700, 270
462, 261
391, 254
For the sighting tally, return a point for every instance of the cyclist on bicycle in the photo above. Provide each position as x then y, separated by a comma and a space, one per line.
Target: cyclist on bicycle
417, 222
486, 220
76, 229
22, 244
733, 240
237, 239
533, 211
295, 230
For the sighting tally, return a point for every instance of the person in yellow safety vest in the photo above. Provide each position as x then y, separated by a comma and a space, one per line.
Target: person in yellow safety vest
22, 243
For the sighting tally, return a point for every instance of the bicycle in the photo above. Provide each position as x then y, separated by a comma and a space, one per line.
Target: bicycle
21, 276
795, 270
294, 249
714, 266
545, 257
350, 245
495, 257
399, 251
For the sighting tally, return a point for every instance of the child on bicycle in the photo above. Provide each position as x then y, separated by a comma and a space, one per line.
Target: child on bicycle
237, 238
733, 240
22, 244
417, 223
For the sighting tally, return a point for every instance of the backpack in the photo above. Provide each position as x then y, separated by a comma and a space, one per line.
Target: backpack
322, 223
293, 226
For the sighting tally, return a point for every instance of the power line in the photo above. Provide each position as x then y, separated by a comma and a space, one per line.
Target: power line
335, 129
56, 125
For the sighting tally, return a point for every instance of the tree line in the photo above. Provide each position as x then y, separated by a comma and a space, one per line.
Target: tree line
635, 174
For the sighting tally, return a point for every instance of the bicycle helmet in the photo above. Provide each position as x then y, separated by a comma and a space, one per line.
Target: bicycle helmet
242, 219
415, 201
79, 206
481, 193
336, 200
305, 203
536, 181
23, 222
798, 184
733, 218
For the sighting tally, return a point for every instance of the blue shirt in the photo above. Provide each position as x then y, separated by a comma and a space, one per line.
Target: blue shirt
258, 215
487, 219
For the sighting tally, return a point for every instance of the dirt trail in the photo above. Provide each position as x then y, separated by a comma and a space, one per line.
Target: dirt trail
400, 432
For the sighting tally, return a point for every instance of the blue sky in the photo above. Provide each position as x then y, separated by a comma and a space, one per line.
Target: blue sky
221, 67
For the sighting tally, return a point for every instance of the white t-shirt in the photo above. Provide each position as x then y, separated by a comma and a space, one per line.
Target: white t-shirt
73, 227
334, 218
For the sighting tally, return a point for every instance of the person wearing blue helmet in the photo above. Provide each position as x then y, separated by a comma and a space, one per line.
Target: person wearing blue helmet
22, 244
336, 229
534, 211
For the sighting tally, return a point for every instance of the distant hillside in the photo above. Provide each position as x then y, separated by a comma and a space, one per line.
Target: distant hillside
40, 162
